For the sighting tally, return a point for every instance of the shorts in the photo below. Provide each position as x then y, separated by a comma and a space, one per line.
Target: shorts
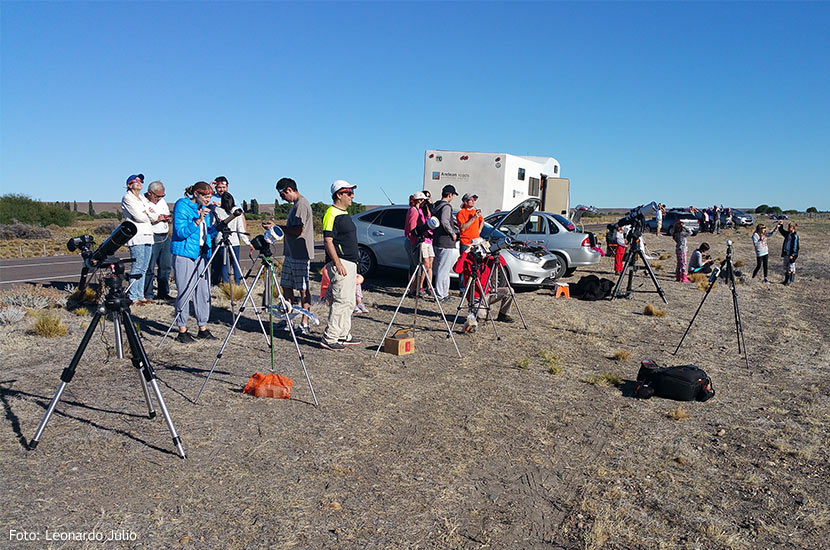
427, 250
295, 274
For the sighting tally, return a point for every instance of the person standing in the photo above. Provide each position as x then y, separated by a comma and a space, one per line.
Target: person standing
661, 211
445, 242
470, 221
619, 250
191, 244
137, 210
298, 247
717, 214
679, 234
759, 241
222, 197
789, 250
340, 239
160, 256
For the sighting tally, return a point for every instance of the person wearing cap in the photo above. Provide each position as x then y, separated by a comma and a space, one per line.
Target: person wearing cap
470, 220
445, 242
160, 256
298, 247
418, 247
340, 239
137, 209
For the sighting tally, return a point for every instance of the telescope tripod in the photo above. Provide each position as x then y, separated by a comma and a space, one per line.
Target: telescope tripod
284, 308
497, 272
414, 281
116, 305
636, 251
727, 271
205, 272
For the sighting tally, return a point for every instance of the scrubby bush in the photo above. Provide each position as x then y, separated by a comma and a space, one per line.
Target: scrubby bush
33, 297
11, 315
23, 231
49, 326
812, 210
761, 209
105, 228
21, 209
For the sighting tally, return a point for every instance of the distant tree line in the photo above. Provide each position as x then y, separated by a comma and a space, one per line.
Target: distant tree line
16, 208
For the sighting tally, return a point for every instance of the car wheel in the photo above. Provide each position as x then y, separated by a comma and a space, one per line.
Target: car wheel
366, 262
560, 268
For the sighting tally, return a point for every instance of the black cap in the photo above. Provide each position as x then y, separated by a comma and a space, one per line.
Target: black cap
448, 190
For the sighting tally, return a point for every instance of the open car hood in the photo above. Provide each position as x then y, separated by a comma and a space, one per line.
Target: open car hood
515, 221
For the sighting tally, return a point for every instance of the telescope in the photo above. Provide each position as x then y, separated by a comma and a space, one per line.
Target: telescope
102, 254
262, 243
222, 225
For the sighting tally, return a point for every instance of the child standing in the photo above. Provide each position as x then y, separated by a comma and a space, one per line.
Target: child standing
679, 234
759, 240
789, 250
619, 251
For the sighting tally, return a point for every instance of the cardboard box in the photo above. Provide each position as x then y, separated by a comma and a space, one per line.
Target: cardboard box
400, 343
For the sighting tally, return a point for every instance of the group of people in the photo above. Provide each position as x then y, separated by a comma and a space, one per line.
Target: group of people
202, 219
439, 241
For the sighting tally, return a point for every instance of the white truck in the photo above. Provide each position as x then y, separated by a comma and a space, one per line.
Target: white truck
500, 180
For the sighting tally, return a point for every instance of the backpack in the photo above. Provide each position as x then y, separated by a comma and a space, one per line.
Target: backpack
592, 288
681, 383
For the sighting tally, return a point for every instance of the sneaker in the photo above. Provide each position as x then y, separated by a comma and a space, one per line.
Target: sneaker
357, 311
305, 330
333, 346
349, 341
286, 327
766, 280
362, 307
205, 335
424, 295
504, 318
185, 338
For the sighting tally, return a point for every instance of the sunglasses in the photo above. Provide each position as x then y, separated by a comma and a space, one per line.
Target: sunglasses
349, 192
203, 193
157, 195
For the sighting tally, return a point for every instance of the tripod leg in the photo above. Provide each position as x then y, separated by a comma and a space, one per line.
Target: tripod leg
708, 290
653, 277
392, 320
230, 332
66, 377
449, 331
739, 326
484, 302
296, 344
512, 293
190, 289
143, 363
461, 302
628, 264
119, 348
247, 290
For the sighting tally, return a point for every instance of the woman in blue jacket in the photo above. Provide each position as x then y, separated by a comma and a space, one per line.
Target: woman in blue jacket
192, 235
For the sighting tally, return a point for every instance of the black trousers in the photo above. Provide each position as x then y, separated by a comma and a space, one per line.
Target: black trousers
760, 260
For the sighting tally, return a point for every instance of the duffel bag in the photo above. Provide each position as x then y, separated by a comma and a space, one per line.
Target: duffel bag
681, 383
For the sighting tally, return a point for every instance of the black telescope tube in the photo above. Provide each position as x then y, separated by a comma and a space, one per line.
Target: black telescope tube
116, 240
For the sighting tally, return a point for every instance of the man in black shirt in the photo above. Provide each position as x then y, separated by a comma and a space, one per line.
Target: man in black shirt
340, 239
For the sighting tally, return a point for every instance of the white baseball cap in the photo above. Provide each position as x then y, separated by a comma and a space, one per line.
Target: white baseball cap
418, 195
341, 184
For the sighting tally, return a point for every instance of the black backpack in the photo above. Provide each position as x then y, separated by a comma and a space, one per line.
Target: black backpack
682, 383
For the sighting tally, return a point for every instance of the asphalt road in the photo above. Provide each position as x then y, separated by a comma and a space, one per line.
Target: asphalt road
60, 270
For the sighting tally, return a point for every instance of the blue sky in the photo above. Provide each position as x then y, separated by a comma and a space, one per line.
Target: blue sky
684, 103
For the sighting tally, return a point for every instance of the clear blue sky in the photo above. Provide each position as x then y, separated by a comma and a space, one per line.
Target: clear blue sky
684, 103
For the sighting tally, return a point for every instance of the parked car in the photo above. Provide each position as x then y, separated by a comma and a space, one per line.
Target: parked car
779, 217
739, 217
559, 235
690, 222
380, 239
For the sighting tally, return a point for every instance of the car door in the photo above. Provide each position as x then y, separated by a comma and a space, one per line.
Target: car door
386, 238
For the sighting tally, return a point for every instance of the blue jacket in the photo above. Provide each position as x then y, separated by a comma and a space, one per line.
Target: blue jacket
185, 240
790, 246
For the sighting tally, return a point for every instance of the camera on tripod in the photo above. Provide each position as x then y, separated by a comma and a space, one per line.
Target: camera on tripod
636, 219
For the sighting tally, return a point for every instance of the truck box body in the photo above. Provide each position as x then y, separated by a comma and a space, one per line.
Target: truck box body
500, 180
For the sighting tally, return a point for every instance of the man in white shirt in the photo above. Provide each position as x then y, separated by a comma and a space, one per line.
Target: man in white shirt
136, 209
160, 256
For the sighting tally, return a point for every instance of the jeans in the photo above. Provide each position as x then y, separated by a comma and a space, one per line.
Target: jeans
162, 258
141, 253
220, 256
445, 259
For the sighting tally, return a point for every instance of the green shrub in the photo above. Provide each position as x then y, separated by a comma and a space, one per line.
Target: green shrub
16, 208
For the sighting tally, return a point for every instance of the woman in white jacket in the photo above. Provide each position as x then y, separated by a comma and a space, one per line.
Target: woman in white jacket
136, 208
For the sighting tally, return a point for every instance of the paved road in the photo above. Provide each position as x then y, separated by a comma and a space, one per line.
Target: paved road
67, 269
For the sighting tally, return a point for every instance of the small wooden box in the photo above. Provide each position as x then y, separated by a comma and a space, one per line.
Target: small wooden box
399, 346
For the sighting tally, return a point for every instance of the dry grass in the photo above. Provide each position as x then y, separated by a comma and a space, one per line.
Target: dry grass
32, 297
652, 311
49, 325
678, 414
620, 355
11, 315
552, 361
657, 266
738, 263
79, 297
664, 256
523, 363
228, 289
604, 380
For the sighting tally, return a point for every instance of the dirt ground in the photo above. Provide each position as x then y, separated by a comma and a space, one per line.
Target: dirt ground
518, 444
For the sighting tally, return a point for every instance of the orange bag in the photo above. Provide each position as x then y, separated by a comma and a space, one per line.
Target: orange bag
269, 385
